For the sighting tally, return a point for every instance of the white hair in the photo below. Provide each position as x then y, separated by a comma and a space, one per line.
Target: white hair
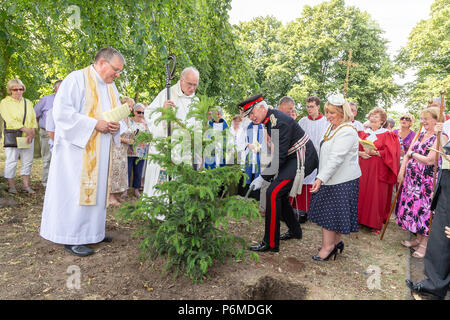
219, 110
189, 69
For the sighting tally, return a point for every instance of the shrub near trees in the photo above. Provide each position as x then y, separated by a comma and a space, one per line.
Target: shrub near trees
196, 204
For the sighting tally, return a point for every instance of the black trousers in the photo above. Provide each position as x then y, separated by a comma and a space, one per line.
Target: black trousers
437, 257
278, 206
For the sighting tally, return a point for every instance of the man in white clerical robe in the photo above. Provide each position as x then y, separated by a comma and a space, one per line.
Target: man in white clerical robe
314, 125
74, 211
182, 95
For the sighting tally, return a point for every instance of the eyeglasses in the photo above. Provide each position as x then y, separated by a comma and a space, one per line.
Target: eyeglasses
117, 71
311, 106
405, 118
140, 112
190, 84
18, 89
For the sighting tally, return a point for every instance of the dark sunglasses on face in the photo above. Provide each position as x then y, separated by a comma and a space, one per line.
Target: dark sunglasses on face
140, 112
405, 118
17, 89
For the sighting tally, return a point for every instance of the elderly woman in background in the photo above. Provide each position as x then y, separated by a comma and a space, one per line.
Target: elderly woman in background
405, 134
379, 167
136, 124
12, 110
416, 176
218, 124
119, 165
334, 202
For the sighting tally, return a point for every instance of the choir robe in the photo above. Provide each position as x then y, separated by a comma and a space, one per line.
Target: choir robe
378, 177
182, 103
315, 129
64, 221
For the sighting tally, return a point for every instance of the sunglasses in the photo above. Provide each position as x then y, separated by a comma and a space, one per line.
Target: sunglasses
405, 118
18, 89
140, 112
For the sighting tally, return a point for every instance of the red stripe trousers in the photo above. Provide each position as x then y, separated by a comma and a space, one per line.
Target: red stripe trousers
278, 205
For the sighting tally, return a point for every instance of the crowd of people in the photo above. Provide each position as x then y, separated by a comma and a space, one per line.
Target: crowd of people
325, 167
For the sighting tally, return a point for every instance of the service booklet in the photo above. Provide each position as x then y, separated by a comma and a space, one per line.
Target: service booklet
117, 114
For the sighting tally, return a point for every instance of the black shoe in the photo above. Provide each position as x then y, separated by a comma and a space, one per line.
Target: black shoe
262, 247
339, 246
288, 235
107, 239
302, 217
79, 250
419, 287
332, 253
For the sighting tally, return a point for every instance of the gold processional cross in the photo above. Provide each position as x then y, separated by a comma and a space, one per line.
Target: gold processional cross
349, 64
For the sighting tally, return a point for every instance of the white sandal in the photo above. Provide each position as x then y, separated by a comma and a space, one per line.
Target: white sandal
418, 254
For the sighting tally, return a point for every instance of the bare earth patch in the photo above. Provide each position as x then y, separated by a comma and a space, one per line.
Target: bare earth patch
32, 268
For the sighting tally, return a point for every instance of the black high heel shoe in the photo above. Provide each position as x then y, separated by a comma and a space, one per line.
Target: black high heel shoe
339, 246
332, 253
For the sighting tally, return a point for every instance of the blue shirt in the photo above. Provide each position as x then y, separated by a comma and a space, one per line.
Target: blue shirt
50, 126
41, 108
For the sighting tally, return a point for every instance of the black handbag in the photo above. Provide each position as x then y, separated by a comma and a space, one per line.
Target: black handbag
11, 135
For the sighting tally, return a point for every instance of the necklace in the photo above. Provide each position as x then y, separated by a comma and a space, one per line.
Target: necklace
327, 137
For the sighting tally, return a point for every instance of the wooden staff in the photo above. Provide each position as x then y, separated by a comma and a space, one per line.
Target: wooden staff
170, 74
399, 186
438, 146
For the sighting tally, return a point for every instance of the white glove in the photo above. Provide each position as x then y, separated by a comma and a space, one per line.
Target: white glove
257, 183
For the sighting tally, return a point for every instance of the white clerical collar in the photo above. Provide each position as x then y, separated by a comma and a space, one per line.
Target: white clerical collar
373, 134
180, 92
98, 76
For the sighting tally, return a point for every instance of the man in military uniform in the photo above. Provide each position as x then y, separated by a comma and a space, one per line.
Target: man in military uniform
294, 157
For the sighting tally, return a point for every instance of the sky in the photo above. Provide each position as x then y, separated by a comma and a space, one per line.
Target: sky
395, 17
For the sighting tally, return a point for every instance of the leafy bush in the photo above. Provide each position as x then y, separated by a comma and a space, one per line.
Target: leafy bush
197, 208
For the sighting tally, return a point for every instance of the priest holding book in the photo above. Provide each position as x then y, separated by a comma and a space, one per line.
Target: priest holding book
74, 212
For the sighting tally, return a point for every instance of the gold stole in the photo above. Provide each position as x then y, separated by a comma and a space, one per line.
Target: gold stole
91, 154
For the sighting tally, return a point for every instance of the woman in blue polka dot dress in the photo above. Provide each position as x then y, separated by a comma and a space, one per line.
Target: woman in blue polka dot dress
334, 202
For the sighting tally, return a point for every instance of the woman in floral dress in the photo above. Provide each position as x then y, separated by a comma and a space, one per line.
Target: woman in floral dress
119, 164
416, 173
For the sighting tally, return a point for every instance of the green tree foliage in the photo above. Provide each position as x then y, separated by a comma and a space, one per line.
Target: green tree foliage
196, 205
261, 39
428, 53
41, 41
302, 57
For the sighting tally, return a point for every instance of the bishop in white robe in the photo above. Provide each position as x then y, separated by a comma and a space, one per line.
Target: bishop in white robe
66, 219
182, 95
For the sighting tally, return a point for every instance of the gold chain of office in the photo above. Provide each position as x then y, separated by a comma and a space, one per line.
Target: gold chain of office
326, 136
